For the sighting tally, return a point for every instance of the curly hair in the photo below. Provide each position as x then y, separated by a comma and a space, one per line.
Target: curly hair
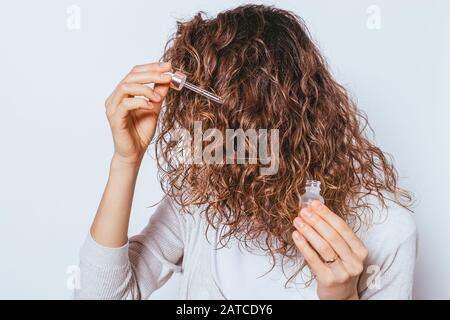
262, 62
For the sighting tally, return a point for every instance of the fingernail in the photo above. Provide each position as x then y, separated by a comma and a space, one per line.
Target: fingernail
164, 64
317, 204
307, 213
299, 223
297, 236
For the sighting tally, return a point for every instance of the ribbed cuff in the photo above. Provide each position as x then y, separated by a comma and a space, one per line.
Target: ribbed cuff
98, 255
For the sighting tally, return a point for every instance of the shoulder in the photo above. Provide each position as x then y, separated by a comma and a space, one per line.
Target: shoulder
169, 225
168, 208
388, 227
170, 212
390, 238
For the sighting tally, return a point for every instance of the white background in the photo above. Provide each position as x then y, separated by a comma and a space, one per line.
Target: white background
56, 145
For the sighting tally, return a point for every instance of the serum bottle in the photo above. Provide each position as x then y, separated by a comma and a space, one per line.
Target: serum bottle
312, 192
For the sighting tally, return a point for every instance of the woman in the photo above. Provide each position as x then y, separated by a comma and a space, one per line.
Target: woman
231, 231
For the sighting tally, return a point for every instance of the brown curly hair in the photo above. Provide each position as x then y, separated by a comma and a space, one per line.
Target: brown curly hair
262, 62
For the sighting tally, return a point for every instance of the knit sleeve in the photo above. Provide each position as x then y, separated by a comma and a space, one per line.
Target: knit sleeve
136, 269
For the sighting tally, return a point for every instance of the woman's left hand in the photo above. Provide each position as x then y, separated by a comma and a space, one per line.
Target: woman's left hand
332, 250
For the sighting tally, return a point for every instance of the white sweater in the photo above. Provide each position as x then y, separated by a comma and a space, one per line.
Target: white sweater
174, 242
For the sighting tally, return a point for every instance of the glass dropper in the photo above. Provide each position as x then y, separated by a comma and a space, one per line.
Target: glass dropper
179, 82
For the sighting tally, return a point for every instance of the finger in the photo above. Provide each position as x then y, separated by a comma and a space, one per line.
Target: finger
129, 104
315, 240
161, 89
312, 258
326, 273
328, 233
154, 66
341, 227
340, 272
350, 261
147, 77
125, 90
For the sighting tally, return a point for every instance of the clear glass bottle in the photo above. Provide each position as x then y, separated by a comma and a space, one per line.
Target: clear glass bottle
312, 192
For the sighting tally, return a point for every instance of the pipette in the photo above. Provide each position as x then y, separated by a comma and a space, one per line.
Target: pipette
179, 82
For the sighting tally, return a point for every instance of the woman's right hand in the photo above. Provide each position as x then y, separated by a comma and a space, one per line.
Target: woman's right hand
131, 116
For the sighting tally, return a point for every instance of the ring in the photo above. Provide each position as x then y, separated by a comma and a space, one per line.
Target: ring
332, 260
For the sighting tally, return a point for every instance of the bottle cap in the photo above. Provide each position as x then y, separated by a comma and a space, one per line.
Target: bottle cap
313, 185
178, 80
